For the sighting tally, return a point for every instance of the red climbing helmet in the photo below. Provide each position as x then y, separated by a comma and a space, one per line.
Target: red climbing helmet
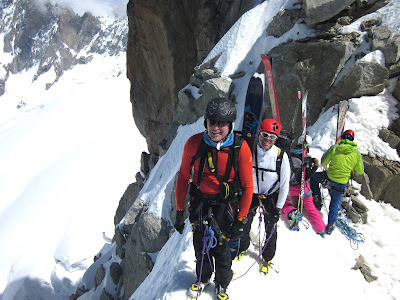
348, 135
270, 125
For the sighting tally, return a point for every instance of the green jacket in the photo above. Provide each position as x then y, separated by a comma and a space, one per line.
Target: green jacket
342, 159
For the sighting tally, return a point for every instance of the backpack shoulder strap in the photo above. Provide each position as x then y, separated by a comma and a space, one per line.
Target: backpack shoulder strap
202, 154
203, 147
279, 162
237, 144
278, 168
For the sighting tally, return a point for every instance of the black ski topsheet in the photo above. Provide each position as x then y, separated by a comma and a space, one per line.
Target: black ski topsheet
253, 107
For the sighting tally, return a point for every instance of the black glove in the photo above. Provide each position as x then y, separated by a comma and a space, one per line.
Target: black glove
274, 217
179, 221
237, 230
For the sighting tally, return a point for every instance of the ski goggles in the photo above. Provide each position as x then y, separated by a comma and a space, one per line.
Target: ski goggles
217, 123
271, 136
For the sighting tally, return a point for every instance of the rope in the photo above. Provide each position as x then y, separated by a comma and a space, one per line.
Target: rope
342, 224
349, 232
261, 250
209, 241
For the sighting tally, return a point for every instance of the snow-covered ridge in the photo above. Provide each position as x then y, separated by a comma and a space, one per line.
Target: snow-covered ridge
37, 41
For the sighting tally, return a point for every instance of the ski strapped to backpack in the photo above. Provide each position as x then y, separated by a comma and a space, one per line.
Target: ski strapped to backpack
271, 88
304, 151
343, 107
296, 111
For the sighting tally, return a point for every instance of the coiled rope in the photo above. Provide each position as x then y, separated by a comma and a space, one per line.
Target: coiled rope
342, 224
349, 232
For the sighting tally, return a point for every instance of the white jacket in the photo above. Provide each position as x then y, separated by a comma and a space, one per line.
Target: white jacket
266, 159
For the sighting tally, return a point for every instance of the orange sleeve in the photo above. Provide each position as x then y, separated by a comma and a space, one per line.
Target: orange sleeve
182, 180
246, 179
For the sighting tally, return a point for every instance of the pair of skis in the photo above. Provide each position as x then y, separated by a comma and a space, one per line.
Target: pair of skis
251, 114
343, 107
254, 102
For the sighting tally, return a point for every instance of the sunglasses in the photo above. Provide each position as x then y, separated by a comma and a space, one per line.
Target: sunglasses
217, 123
265, 134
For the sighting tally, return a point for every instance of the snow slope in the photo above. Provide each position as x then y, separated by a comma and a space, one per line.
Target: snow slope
66, 159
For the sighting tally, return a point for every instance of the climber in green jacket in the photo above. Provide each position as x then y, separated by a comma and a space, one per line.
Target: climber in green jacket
342, 158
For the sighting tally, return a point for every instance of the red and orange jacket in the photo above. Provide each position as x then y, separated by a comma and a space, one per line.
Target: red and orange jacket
209, 183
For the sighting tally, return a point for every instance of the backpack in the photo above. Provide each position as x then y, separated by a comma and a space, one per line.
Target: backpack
295, 167
284, 141
277, 169
295, 161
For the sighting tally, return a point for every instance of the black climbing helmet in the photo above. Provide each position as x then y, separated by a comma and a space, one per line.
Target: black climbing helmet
220, 109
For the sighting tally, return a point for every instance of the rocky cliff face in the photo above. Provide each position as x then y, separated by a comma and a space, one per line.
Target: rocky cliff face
166, 39
47, 37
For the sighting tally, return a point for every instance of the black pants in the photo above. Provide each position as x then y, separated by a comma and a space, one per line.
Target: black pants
314, 183
269, 206
222, 218
220, 257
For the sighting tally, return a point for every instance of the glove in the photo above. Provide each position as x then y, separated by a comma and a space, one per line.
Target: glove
179, 221
237, 230
274, 217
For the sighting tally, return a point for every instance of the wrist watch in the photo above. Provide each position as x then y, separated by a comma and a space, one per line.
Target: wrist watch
243, 220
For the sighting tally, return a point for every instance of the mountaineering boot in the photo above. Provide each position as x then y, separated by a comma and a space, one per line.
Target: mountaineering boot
294, 217
329, 228
196, 289
221, 292
265, 266
240, 255
317, 202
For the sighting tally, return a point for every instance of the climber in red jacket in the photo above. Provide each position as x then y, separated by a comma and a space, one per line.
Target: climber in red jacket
220, 193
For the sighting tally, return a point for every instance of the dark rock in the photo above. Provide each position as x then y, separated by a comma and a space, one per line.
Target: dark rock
316, 11
392, 50
313, 65
160, 55
115, 272
396, 91
362, 79
126, 201
283, 22
100, 274
389, 137
364, 268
